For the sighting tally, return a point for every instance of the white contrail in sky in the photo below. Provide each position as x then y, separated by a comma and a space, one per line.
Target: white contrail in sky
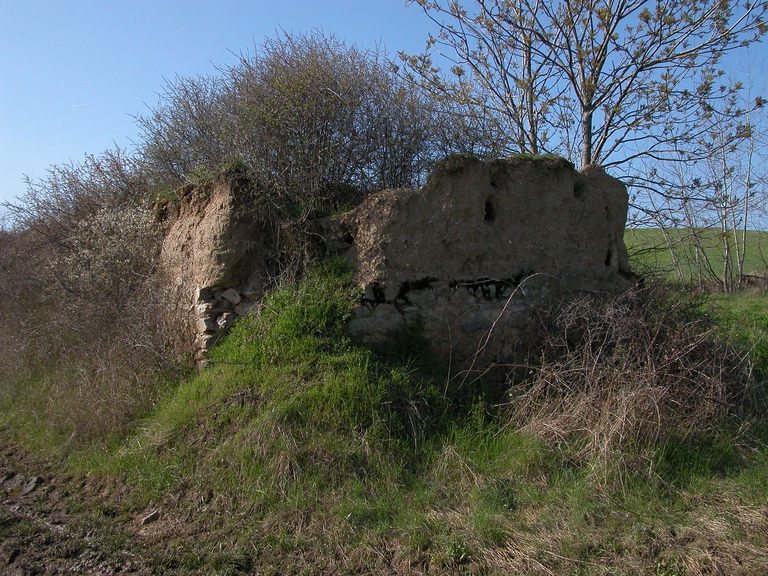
79, 105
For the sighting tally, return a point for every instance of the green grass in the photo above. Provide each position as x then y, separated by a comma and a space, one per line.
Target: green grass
328, 446
298, 451
649, 253
742, 318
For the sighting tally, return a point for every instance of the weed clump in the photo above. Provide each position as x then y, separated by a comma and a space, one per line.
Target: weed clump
617, 379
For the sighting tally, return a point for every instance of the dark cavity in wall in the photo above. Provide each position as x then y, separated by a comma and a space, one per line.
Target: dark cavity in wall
490, 209
490, 287
609, 258
405, 287
345, 234
376, 295
578, 189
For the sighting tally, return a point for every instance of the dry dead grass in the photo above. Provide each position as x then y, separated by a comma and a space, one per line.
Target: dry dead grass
616, 379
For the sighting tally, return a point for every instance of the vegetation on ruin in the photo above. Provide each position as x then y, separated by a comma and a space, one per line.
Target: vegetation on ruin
637, 447
633, 440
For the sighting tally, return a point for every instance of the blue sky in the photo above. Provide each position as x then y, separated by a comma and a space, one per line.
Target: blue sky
72, 72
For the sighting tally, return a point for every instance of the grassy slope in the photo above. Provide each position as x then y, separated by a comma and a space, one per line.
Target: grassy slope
299, 452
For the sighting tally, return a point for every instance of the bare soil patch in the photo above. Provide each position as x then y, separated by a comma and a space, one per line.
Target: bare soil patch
53, 524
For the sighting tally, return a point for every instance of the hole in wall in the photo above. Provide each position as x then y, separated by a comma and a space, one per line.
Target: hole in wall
490, 210
405, 287
346, 234
375, 294
578, 189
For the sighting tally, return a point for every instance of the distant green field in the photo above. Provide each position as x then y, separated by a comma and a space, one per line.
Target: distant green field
649, 250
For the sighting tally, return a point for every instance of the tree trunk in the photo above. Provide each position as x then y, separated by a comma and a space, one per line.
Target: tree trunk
586, 135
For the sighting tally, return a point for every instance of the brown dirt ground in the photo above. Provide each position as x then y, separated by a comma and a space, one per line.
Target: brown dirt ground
52, 524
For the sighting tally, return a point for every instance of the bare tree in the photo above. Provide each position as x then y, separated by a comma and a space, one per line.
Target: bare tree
629, 75
497, 78
706, 209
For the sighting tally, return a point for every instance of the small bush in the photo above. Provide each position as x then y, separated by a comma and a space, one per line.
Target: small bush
615, 380
315, 123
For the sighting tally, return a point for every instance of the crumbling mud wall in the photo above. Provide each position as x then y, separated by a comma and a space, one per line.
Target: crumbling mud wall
471, 257
213, 256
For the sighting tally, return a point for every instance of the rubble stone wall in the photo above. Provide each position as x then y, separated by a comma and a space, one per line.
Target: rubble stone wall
213, 256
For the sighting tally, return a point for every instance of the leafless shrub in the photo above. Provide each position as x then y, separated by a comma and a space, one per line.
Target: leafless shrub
617, 378
54, 205
315, 123
81, 306
186, 133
